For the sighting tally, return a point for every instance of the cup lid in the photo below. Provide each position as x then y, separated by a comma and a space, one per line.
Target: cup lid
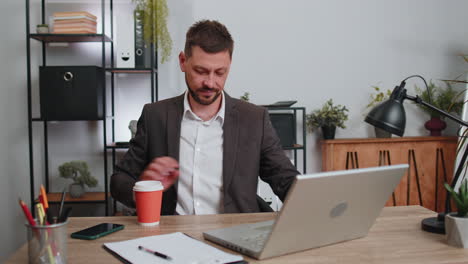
147, 186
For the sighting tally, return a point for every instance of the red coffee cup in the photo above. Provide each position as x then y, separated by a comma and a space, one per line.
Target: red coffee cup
148, 197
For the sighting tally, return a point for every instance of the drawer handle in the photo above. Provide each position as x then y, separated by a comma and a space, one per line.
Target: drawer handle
68, 76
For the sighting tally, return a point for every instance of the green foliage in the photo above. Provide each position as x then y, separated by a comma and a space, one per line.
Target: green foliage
245, 97
446, 99
77, 171
460, 198
378, 97
155, 31
329, 115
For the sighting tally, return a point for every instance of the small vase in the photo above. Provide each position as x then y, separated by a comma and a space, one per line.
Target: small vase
380, 133
76, 190
435, 126
328, 132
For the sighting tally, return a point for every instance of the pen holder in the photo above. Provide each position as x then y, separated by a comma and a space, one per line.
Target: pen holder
47, 243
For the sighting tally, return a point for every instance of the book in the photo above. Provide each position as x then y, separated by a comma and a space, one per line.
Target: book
178, 246
76, 13
71, 21
73, 18
74, 31
75, 26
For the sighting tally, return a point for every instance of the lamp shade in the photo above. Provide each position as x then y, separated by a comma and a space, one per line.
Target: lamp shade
389, 116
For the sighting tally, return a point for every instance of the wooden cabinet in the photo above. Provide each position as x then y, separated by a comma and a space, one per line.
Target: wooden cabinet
431, 161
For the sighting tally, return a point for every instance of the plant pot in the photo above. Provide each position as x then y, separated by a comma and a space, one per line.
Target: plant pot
435, 126
328, 132
42, 29
76, 190
456, 230
380, 133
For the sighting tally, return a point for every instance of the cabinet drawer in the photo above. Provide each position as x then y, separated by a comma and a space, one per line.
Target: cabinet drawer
71, 93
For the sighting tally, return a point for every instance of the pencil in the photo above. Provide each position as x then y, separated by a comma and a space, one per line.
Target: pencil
44, 197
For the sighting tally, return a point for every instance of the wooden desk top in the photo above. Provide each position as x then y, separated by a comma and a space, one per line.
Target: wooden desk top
396, 237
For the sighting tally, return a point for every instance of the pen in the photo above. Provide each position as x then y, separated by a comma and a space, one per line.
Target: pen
62, 200
161, 255
27, 213
65, 215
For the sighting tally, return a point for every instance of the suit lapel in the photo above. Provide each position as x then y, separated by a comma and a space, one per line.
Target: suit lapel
231, 134
174, 119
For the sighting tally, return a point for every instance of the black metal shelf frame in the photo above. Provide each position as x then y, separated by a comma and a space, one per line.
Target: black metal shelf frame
45, 38
296, 147
103, 39
70, 37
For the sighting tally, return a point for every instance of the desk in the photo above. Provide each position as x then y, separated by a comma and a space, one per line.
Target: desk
396, 237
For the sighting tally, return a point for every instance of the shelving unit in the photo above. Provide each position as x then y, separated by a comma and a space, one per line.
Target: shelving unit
113, 146
70, 37
90, 197
297, 146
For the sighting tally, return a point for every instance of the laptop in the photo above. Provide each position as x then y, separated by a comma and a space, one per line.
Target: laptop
320, 209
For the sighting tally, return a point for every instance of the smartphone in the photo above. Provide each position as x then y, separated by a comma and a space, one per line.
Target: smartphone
97, 231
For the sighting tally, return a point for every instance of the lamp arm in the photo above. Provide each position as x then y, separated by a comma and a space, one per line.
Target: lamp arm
418, 100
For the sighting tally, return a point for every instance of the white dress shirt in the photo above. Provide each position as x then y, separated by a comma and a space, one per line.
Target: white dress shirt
200, 185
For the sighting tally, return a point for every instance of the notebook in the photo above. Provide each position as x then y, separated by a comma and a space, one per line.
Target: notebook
320, 209
181, 248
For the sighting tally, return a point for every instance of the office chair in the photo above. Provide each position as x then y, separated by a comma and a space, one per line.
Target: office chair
263, 206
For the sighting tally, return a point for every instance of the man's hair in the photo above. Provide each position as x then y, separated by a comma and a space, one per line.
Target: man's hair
210, 35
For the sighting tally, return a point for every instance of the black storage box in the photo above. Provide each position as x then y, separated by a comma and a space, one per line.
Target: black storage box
285, 127
71, 93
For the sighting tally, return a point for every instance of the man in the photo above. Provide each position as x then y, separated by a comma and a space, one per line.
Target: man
206, 148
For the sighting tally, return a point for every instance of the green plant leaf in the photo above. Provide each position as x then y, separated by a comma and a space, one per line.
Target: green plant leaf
460, 198
445, 98
155, 13
378, 97
78, 171
328, 115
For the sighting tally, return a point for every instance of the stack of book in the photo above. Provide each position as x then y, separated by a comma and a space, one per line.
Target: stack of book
80, 22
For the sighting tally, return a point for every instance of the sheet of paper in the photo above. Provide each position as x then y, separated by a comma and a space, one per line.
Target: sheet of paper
181, 248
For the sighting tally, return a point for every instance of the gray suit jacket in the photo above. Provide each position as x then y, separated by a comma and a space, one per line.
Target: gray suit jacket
251, 148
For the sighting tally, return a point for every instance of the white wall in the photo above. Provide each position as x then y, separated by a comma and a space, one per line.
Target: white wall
314, 50
300, 50
14, 159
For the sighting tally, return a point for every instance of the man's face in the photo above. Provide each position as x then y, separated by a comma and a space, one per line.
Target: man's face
205, 74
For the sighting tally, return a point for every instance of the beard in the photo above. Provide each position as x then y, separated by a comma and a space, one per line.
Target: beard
202, 99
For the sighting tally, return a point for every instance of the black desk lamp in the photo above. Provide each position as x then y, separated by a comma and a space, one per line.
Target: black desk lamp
390, 116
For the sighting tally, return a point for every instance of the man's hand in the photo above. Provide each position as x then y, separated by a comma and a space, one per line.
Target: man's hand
163, 169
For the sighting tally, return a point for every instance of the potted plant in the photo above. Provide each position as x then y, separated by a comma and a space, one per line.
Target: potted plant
154, 24
245, 97
77, 171
456, 224
327, 118
376, 98
446, 99
42, 28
